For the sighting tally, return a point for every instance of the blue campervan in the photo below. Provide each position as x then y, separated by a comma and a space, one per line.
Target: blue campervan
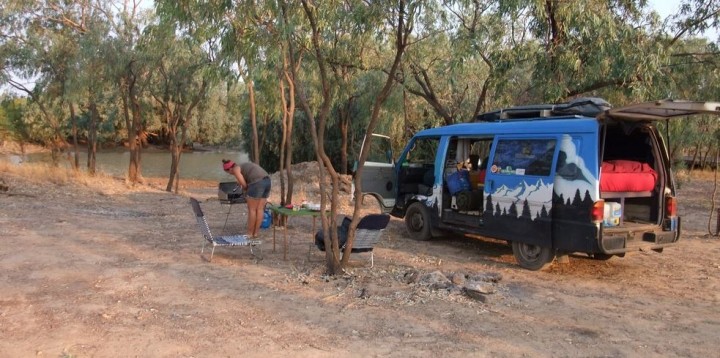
552, 178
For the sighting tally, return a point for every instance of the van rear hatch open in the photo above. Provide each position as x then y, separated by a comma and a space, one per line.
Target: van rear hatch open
636, 180
659, 110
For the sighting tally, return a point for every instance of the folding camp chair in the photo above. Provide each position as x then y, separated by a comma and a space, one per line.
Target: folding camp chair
225, 240
368, 234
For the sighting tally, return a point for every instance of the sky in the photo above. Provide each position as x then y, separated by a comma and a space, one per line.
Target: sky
665, 7
668, 7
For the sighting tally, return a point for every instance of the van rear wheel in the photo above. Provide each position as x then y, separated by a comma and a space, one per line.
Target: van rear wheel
417, 221
532, 257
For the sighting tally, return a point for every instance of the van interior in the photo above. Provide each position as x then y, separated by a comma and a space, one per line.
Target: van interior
631, 173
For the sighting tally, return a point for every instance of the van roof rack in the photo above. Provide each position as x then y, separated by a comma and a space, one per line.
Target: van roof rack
585, 106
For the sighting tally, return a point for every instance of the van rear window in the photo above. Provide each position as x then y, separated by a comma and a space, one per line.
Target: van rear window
524, 156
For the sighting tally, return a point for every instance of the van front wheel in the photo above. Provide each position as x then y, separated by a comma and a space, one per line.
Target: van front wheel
417, 221
532, 257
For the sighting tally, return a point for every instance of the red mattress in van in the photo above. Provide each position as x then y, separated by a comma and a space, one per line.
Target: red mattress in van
627, 175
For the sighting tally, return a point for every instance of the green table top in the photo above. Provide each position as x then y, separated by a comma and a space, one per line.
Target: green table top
290, 212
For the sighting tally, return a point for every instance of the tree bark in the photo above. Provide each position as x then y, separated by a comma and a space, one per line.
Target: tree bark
92, 137
253, 121
344, 123
76, 154
402, 32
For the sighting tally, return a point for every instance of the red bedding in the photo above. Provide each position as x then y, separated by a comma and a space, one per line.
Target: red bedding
627, 175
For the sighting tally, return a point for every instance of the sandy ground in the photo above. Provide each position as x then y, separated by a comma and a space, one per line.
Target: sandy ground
102, 270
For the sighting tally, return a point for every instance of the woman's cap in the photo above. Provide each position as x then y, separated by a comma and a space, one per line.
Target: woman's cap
227, 165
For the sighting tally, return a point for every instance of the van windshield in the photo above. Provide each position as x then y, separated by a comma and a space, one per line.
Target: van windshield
423, 151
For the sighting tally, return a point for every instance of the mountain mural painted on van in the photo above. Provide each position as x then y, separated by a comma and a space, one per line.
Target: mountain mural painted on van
536, 196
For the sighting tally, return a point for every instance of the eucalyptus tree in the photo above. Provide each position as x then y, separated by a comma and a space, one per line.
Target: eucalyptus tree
354, 53
262, 55
451, 65
182, 76
241, 32
691, 71
130, 70
590, 46
400, 20
38, 47
693, 19
248, 35
89, 87
316, 32
12, 125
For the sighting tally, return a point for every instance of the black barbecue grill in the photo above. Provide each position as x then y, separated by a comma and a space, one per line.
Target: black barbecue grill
230, 193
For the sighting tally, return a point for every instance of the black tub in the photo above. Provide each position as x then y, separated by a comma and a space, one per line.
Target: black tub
231, 193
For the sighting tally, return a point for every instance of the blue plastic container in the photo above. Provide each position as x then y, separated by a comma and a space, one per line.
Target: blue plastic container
458, 181
267, 219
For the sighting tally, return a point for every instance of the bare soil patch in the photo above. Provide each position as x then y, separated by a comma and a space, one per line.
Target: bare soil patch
94, 268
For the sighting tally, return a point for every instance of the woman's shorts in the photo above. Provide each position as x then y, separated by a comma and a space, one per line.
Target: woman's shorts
259, 189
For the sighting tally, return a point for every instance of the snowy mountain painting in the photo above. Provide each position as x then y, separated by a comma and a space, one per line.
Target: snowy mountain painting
573, 174
575, 188
538, 194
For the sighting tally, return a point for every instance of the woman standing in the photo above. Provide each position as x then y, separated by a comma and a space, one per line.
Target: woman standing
255, 183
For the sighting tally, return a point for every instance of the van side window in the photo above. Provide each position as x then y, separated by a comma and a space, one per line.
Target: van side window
380, 151
524, 156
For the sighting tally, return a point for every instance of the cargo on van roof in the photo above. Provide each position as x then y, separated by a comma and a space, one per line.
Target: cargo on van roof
586, 107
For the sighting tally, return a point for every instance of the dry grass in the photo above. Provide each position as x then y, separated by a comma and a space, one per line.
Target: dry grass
44, 174
686, 177
11, 147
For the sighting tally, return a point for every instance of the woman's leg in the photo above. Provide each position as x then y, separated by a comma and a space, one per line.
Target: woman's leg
252, 204
258, 193
259, 214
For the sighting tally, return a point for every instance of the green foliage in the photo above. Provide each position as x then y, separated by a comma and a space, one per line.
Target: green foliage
11, 118
465, 56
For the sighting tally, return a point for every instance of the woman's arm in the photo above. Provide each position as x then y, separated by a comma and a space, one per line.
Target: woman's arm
239, 177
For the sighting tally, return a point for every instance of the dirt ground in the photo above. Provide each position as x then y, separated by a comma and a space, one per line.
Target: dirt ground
97, 269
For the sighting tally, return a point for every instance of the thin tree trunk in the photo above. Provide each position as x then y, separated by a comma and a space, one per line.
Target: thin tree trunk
92, 138
253, 122
694, 158
134, 132
401, 41
283, 137
703, 162
76, 154
344, 123
289, 143
175, 150
131, 134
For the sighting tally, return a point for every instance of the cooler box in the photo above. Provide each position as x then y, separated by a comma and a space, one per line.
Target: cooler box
612, 213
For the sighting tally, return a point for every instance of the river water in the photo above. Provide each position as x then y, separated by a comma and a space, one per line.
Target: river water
193, 165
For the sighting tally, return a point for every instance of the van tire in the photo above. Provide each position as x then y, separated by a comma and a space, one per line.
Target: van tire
417, 222
533, 257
